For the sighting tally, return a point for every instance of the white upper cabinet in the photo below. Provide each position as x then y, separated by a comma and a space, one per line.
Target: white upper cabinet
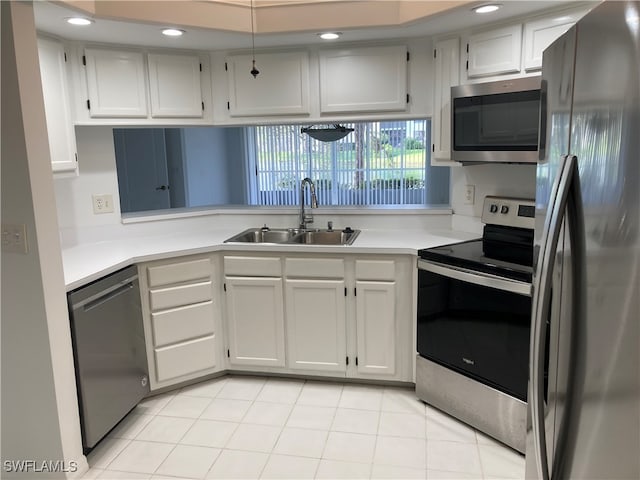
116, 83
371, 79
174, 85
281, 87
57, 106
495, 52
446, 75
539, 34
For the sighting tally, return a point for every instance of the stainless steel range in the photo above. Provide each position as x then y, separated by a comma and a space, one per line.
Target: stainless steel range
473, 325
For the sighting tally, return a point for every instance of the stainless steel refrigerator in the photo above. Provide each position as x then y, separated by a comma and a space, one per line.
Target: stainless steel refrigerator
584, 384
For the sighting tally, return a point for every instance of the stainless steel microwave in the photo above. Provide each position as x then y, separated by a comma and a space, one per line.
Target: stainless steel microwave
496, 121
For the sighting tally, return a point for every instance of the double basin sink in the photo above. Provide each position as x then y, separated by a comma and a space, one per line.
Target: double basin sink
296, 236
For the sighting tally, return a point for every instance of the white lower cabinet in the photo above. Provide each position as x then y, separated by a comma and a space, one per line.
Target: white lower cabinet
350, 316
316, 325
255, 321
254, 312
317, 315
376, 327
180, 319
384, 318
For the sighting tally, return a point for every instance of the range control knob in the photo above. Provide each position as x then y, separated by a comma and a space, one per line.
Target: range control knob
493, 208
504, 209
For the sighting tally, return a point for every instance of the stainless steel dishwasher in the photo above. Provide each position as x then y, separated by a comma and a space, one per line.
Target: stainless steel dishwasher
109, 351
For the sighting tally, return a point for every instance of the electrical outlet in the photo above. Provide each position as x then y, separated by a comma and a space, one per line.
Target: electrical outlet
102, 203
469, 194
14, 238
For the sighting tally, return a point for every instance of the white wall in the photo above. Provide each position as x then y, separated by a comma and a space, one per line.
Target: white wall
494, 179
97, 175
39, 407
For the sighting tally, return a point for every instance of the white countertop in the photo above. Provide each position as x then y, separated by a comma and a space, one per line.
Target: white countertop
88, 262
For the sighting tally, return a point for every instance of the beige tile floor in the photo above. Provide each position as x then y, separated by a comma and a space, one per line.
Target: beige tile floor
254, 427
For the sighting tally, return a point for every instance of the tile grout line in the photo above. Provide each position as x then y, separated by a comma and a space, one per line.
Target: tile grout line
326, 440
282, 429
185, 433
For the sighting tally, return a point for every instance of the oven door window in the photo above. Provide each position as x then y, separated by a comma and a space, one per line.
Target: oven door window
478, 331
500, 122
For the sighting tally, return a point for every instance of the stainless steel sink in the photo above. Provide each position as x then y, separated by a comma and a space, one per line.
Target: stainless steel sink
326, 237
296, 236
261, 235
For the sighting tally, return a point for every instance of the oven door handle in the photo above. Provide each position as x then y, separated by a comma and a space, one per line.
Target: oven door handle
477, 278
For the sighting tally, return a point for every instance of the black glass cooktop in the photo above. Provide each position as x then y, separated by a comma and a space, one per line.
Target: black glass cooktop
470, 255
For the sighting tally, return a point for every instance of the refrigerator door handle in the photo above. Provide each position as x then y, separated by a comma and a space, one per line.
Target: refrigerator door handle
577, 240
540, 305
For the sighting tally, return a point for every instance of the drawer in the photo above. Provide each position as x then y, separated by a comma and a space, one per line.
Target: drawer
179, 272
171, 297
315, 267
182, 323
375, 270
185, 358
253, 266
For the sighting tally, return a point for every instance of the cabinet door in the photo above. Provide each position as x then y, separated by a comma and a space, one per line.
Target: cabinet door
255, 321
370, 79
447, 75
539, 34
116, 83
174, 84
376, 327
316, 325
495, 52
281, 88
62, 138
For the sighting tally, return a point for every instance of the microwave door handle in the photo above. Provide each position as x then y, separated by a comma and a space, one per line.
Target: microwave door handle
541, 300
542, 132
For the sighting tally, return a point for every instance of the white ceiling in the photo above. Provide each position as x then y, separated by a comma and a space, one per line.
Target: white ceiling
50, 17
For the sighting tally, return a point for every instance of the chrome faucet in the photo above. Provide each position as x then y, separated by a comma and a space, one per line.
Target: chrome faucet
304, 218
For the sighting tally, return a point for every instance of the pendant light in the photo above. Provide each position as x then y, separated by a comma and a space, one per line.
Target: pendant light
327, 134
254, 70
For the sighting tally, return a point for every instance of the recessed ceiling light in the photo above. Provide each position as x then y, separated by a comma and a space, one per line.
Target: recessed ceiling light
172, 32
80, 21
330, 35
487, 8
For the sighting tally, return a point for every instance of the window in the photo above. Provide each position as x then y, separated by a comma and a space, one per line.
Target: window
378, 163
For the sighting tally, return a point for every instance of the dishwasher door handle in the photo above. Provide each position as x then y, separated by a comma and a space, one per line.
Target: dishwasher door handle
106, 295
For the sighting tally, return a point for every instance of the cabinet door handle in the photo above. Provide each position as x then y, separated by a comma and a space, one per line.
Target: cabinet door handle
163, 187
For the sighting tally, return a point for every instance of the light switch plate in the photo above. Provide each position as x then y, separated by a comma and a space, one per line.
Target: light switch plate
102, 203
14, 238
